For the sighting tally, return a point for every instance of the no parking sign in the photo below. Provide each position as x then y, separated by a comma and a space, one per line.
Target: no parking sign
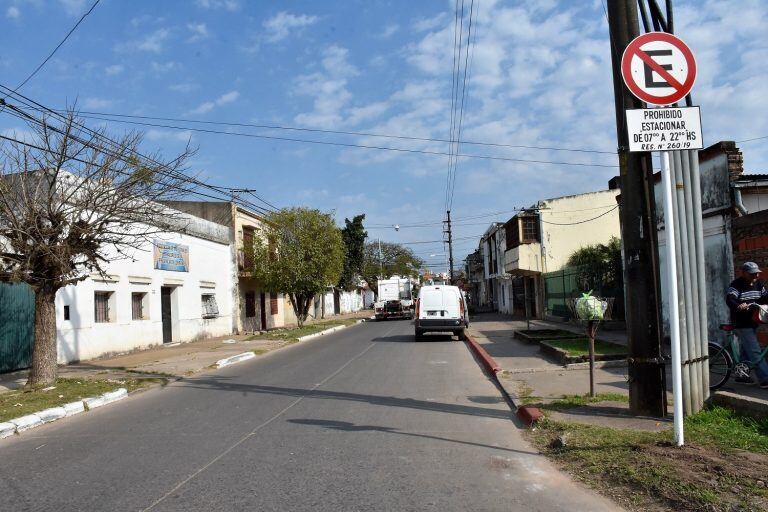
658, 68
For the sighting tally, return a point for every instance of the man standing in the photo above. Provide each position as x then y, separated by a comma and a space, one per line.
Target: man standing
745, 290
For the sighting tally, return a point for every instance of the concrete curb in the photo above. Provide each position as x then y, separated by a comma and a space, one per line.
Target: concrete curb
528, 415
568, 367
754, 407
221, 363
23, 423
327, 331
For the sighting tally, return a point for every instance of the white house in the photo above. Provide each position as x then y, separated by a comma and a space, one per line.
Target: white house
177, 288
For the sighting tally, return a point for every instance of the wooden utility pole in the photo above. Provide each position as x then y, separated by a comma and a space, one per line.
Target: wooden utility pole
450, 247
647, 393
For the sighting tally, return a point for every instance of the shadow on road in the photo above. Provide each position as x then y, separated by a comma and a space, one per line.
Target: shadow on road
215, 383
409, 338
346, 426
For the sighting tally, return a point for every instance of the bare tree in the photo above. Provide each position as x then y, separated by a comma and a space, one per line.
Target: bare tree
71, 200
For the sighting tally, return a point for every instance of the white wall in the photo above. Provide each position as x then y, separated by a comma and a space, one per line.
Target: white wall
81, 338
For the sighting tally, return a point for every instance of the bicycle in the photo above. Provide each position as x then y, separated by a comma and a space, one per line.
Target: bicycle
726, 359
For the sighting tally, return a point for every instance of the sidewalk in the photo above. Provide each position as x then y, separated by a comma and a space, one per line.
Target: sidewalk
175, 360
527, 372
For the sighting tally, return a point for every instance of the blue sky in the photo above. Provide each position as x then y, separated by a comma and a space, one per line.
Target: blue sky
540, 75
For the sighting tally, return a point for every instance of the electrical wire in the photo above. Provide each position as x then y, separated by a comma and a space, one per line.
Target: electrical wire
37, 106
349, 145
45, 61
581, 221
336, 132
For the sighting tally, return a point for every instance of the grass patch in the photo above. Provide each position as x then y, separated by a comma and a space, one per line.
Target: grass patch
645, 471
293, 335
29, 400
570, 401
579, 347
543, 334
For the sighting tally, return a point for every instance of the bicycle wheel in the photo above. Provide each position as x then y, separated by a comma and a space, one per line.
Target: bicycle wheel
720, 365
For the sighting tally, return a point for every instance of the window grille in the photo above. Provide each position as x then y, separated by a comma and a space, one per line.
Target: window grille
210, 308
101, 307
272, 304
137, 306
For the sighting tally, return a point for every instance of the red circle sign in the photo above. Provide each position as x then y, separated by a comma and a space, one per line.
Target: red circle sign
658, 68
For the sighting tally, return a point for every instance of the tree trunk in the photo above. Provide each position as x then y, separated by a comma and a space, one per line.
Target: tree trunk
44, 352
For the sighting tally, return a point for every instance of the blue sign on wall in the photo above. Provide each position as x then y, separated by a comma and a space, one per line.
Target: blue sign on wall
170, 256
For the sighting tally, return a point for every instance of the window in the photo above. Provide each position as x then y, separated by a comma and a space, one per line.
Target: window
250, 304
102, 307
530, 228
210, 308
248, 233
138, 306
66, 312
272, 304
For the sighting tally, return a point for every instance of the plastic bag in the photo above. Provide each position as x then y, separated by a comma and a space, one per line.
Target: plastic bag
760, 314
590, 308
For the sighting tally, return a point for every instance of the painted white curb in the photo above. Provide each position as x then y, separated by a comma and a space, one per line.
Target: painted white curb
52, 414
7, 429
93, 402
221, 363
114, 396
26, 422
321, 333
29, 421
73, 408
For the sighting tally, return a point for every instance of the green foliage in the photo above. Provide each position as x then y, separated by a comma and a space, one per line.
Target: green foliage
599, 264
353, 234
394, 259
300, 252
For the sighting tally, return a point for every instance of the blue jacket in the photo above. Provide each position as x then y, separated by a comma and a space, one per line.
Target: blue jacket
741, 291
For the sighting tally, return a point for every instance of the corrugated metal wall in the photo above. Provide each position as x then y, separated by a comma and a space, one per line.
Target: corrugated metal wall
17, 326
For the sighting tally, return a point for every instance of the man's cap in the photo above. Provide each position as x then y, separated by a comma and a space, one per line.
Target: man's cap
750, 267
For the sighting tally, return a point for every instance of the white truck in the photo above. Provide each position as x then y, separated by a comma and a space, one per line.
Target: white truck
395, 299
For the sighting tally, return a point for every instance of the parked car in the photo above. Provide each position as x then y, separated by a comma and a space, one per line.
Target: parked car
440, 308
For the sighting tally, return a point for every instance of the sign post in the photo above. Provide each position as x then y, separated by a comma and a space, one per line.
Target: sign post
659, 68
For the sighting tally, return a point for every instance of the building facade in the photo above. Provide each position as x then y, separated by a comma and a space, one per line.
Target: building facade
174, 289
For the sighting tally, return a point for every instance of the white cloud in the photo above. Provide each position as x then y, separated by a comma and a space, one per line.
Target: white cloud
73, 7
114, 69
328, 88
13, 13
168, 135
199, 32
424, 24
224, 99
283, 23
227, 5
389, 30
152, 43
183, 87
164, 67
96, 103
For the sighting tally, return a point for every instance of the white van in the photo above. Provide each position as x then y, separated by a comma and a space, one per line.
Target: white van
440, 308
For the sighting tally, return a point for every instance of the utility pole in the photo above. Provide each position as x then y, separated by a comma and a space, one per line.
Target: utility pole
647, 393
450, 247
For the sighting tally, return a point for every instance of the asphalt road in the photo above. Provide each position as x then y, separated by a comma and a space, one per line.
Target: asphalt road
364, 419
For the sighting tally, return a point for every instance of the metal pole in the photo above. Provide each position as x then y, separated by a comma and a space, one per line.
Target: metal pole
674, 320
693, 168
681, 244
591, 330
647, 394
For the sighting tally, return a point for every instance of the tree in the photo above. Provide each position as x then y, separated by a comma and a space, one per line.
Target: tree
599, 265
353, 234
300, 252
394, 259
71, 201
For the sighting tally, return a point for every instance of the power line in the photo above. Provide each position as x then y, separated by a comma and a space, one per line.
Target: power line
350, 145
581, 221
38, 68
178, 175
337, 132
463, 97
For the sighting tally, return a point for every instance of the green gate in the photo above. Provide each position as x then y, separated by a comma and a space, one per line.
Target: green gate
571, 282
17, 326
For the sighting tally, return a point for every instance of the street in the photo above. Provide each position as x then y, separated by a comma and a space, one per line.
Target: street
363, 419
